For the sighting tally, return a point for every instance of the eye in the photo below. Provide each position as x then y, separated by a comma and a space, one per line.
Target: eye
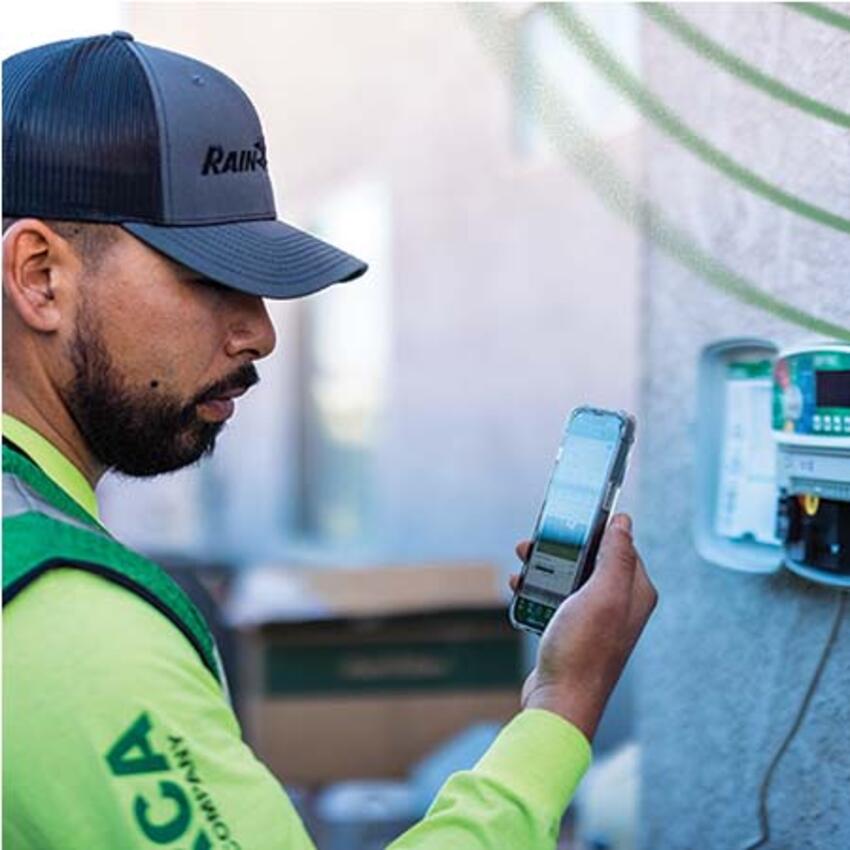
208, 287
207, 283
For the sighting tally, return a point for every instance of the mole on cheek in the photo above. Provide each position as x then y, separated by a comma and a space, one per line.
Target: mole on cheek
154, 384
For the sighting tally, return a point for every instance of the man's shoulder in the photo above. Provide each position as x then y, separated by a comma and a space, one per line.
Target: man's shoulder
70, 617
82, 597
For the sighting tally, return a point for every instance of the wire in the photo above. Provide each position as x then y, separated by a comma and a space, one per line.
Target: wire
764, 788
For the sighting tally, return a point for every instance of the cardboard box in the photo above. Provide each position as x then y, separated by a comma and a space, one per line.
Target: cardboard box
361, 672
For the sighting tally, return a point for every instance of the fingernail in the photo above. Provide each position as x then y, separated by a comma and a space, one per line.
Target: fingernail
623, 521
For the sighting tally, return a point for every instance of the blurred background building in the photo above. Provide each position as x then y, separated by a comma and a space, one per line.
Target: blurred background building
560, 203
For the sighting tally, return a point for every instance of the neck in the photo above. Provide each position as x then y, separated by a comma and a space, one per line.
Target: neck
56, 425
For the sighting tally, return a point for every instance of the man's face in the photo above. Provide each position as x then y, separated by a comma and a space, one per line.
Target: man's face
157, 355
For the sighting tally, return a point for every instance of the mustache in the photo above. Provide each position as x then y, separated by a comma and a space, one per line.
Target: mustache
244, 377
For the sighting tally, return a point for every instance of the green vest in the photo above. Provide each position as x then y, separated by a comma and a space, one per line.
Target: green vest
43, 527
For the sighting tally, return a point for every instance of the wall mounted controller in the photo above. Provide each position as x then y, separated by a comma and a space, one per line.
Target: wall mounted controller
773, 458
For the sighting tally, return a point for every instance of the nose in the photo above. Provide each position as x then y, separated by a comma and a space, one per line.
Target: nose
251, 330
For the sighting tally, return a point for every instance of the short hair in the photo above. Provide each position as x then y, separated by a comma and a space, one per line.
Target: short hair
89, 240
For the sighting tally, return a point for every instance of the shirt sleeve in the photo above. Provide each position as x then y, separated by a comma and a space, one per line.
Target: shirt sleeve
514, 797
101, 687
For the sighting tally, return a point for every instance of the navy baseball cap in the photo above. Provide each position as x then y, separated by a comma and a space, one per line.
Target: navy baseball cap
106, 129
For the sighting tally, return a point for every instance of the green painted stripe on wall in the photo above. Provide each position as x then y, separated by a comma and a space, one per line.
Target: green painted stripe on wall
823, 14
591, 161
586, 40
673, 22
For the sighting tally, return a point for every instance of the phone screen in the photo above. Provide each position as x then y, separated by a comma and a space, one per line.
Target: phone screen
579, 480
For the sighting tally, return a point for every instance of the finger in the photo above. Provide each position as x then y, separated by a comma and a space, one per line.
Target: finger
645, 590
513, 581
617, 559
642, 602
523, 550
620, 527
617, 542
623, 521
640, 613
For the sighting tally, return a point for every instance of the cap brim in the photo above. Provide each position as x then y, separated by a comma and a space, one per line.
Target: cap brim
268, 258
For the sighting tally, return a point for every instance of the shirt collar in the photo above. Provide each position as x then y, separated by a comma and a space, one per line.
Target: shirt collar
52, 463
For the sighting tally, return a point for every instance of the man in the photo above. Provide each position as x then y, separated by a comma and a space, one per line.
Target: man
140, 238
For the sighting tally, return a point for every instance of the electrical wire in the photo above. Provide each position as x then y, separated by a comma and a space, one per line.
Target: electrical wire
764, 788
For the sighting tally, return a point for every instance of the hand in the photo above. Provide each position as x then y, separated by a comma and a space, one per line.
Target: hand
591, 636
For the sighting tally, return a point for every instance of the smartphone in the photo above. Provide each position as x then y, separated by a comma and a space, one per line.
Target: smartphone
582, 491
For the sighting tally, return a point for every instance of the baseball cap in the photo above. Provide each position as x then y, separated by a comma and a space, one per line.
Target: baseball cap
106, 129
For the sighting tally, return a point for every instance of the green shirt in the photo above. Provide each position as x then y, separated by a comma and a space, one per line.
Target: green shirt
117, 736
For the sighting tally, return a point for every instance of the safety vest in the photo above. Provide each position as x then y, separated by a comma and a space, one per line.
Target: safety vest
43, 527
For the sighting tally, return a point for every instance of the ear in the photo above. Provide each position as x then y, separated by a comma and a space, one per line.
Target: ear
39, 270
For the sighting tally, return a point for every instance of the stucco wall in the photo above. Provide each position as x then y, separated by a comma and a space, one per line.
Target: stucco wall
725, 663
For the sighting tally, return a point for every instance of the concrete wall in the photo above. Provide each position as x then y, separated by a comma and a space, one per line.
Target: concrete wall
726, 662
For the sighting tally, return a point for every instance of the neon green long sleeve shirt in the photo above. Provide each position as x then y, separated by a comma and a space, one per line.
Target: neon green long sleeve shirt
117, 736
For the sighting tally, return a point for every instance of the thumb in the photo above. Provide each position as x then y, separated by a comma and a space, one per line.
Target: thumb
623, 521
617, 557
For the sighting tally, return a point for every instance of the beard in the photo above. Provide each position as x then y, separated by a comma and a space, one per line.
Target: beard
139, 432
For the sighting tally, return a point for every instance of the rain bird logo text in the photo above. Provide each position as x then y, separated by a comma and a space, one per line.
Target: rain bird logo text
220, 161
